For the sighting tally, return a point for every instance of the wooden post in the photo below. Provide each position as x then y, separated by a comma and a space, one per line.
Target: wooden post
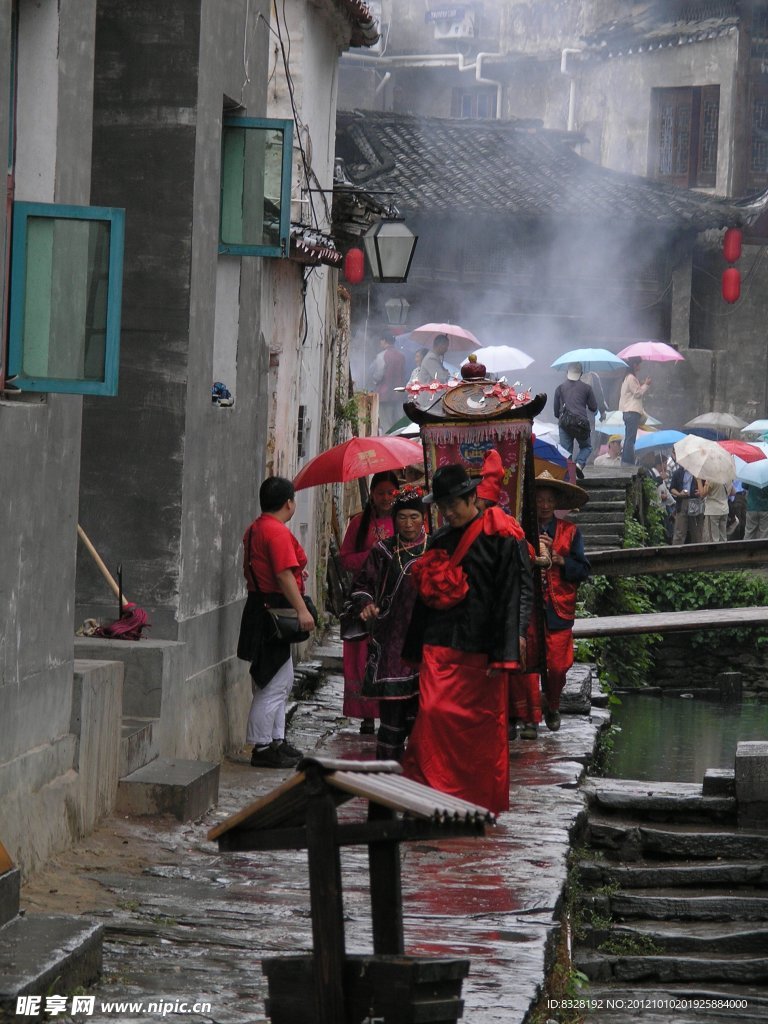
326, 901
386, 889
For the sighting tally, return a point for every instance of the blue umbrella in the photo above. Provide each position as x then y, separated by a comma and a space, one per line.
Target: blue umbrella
548, 453
590, 359
659, 439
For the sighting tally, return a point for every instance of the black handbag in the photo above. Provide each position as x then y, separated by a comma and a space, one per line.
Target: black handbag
351, 626
284, 624
574, 425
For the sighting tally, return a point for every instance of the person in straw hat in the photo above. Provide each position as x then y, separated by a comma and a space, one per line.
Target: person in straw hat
562, 542
468, 630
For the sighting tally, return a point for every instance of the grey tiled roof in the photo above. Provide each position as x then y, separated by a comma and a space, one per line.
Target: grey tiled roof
508, 168
662, 24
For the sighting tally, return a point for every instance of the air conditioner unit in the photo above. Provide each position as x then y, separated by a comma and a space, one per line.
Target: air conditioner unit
456, 28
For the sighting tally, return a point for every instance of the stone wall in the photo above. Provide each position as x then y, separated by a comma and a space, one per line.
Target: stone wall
679, 665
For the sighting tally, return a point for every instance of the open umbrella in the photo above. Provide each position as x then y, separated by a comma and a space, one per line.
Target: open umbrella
502, 358
616, 419
744, 451
753, 473
719, 421
705, 459
652, 351
590, 359
756, 427
460, 339
358, 457
659, 439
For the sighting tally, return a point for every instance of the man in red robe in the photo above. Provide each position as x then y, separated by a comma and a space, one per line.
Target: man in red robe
468, 630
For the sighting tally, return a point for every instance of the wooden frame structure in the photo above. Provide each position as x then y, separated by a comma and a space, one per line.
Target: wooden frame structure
301, 814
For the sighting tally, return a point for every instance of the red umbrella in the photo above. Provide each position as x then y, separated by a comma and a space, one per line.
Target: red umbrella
358, 457
744, 450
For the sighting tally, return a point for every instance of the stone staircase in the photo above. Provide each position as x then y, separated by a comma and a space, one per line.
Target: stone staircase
672, 896
601, 521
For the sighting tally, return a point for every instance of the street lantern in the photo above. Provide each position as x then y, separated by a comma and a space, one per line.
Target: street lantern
390, 245
397, 310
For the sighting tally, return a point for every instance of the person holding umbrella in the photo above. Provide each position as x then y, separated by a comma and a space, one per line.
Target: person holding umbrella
364, 531
432, 366
631, 406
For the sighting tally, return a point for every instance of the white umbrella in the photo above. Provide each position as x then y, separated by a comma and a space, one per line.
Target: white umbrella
615, 418
705, 459
719, 421
502, 358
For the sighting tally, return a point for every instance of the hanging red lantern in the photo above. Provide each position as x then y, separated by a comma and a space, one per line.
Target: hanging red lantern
731, 284
732, 245
354, 266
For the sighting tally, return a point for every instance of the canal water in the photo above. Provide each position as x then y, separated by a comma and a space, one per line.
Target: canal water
676, 739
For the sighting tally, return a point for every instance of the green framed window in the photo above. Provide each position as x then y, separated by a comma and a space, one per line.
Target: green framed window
255, 186
65, 297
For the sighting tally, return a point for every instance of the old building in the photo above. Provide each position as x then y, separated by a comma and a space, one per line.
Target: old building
200, 127
673, 91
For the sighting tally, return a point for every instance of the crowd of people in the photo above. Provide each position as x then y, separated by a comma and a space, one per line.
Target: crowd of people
451, 660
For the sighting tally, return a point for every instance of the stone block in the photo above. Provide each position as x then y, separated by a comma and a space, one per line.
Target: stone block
576, 698
96, 714
751, 774
42, 954
10, 887
185, 789
150, 665
719, 782
138, 744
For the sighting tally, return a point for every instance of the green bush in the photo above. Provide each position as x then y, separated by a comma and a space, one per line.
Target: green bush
629, 661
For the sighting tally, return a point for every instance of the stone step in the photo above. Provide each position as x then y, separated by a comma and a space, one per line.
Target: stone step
43, 954
632, 841
677, 876
592, 516
185, 789
693, 937
680, 905
735, 968
10, 887
658, 801
600, 504
138, 744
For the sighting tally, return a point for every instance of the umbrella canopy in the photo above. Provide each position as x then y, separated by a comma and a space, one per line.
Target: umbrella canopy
616, 419
547, 452
590, 359
756, 427
460, 339
753, 473
652, 351
744, 451
720, 421
408, 429
705, 459
502, 358
358, 457
659, 439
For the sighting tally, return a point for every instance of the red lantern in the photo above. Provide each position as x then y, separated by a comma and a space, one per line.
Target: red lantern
731, 285
732, 245
354, 266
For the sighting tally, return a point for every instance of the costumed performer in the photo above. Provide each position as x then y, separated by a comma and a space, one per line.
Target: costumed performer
384, 593
524, 698
274, 566
365, 530
468, 630
562, 544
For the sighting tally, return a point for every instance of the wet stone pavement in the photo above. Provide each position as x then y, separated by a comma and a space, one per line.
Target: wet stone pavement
184, 923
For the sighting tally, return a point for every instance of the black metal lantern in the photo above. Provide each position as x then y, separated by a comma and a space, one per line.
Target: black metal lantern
390, 245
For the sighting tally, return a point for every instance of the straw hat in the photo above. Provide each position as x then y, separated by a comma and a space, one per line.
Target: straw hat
568, 495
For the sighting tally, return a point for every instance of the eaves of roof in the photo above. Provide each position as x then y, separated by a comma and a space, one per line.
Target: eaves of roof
496, 168
657, 28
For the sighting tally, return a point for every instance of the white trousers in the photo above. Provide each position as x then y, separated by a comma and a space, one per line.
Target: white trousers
266, 719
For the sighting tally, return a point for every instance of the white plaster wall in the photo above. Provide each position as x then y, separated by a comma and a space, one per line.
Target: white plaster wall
616, 93
37, 100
